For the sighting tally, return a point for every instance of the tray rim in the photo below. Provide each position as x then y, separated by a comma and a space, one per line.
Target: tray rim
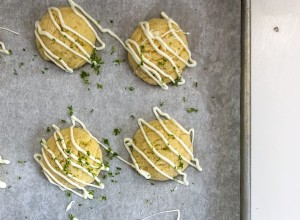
245, 136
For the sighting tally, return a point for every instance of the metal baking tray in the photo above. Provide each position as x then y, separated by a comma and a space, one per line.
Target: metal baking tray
36, 94
246, 111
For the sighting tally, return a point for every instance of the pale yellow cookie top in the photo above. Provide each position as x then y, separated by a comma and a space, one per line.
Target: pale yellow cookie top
162, 148
77, 24
86, 142
159, 27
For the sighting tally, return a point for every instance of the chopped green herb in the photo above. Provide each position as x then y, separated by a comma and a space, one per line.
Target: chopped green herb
79, 204
142, 47
34, 56
15, 72
180, 166
177, 81
10, 52
70, 110
68, 194
118, 168
117, 131
71, 217
85, 77
132, 117
24, 49
152, 184
21, 161
184, 99
91, 192
96, 62
112, 51
118, 61
99, 86
48, 129
113, 181
102, 198
131, 88
189, 110
110, 153
111, 21
147, 201
196, 84
105, 141
21, 64
92, 111
63, 121
161, 103
104, 176
88, 153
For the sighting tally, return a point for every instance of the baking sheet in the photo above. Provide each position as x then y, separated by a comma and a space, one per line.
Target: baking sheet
30, 101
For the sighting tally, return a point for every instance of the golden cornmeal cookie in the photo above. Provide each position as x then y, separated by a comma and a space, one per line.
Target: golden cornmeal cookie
157, 142
74, 22
86, 142
159, 27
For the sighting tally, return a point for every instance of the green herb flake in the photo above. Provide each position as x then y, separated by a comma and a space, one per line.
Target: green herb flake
71, 217
96, 62
48, 129
118, 168
71, 111
132, 117
161, 104
22, 161
68, 194
184, 99
63, 121
118, 61
177, 81
117, 131
196, 84
112, 51
110, 153
111, 21
190, 110
85, 77
99, 86
102, 198
106, 141
131, 88
21, 64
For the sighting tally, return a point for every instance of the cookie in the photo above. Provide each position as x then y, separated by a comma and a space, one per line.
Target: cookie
69, 43
87, 143
158, 52
162, 149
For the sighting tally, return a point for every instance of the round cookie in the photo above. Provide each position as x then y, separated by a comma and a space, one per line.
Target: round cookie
162, 148
159, 27
72, 20
86, 142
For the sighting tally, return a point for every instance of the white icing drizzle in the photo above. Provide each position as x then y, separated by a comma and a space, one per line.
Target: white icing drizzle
128, 142
168, 211
70, 205
3, 184
151, 69
70, 158
2, 46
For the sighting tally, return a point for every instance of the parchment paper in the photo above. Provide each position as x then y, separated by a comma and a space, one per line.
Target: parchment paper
31, 101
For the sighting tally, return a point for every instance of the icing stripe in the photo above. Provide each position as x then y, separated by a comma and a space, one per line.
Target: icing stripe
3, 184
7, 52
